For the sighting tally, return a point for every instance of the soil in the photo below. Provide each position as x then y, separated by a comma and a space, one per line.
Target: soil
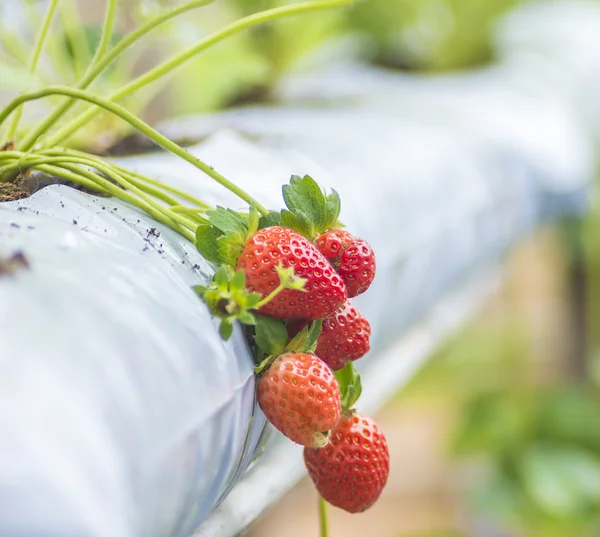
29, 183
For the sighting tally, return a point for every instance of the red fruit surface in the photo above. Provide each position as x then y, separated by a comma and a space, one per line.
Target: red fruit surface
324, 291
353, 259
345, 336
300, 396
352, 470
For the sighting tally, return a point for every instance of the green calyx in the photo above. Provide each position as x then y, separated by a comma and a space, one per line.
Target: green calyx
350, 385
271, 338
309, 210
227, 299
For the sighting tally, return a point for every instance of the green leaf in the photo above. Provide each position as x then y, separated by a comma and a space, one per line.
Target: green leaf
226, 328
272, 219
563, 481
350, 385
313, 335
253, 220
230, 247
228, 221
304, 195
333, 206
221, 278
271, 335
238, 281
200, 289
298, 221
252, 299
299, 342
246, 317
207, 243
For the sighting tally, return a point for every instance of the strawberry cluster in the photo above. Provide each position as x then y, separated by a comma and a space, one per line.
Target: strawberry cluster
289, 276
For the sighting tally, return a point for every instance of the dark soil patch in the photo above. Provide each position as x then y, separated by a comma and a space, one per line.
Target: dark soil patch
12, 192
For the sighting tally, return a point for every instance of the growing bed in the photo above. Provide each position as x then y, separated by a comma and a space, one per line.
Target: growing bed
123, 413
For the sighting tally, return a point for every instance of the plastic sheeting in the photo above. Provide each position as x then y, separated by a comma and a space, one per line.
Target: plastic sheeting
122, 413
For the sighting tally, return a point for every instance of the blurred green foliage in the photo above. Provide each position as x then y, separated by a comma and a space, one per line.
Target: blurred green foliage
429, 35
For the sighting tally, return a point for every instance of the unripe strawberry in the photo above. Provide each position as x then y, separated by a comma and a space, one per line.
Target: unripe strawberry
352, 470
300, 396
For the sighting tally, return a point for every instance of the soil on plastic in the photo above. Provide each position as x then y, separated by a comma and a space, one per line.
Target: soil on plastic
12, 192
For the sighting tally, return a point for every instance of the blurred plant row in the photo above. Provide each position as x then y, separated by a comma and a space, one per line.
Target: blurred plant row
416, 35
529, 424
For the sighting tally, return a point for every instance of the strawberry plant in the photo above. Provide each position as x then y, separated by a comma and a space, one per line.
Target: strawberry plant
269, 271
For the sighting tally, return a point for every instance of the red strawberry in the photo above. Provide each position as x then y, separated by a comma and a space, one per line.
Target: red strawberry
353, 259
300, 396
344, 338
351, 471
324, 290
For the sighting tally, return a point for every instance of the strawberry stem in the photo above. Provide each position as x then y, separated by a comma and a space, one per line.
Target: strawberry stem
270, 296
168, 66
33, 61
144, 128
323, 519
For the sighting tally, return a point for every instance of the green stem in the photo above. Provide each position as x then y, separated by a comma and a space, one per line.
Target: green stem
107, 30
103, 63
33, 61
133, 175
323, 519
82, 177
144, 128
270, 296
167, 67
70, 164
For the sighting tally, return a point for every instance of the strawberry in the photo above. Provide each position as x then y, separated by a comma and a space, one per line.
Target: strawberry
353, 259
323, 292
352, 470
344, 337
300, 396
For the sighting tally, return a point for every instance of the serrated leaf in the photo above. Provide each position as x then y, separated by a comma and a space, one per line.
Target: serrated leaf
228, 221
272, 219
253, 219
304, 195
333, 206
207, 243
271, 335
238, 281
298, 221
350, 385
226, 328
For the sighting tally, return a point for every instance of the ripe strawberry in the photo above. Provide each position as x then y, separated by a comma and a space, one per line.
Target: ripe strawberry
324, 290
300, 396
344, 337
351, 471
353, 259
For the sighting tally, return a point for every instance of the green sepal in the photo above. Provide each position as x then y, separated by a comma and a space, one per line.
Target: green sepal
271, 335
306, 339
271, 219
350, 385
221, 237
309, 211
227, 299
253, 220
